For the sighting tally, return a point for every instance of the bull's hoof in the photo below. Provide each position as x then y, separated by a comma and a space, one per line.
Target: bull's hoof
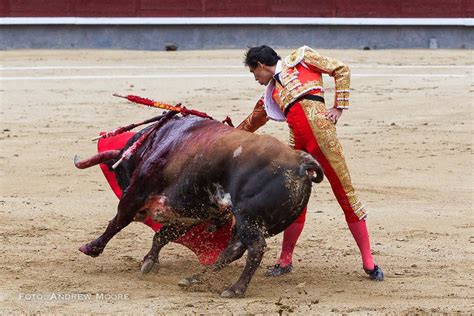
187, 282
230, 293
147, 265
91, 250
376, 274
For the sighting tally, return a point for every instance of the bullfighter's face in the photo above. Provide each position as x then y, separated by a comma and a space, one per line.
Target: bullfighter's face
263, 73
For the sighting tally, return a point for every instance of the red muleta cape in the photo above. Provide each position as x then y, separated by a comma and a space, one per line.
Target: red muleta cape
206, 245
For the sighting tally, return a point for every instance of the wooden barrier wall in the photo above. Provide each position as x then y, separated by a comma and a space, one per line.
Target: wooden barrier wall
239, 8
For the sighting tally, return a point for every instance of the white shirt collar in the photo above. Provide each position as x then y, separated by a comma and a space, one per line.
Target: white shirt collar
278, 67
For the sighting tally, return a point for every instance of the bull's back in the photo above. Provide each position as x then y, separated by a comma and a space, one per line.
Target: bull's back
261, 174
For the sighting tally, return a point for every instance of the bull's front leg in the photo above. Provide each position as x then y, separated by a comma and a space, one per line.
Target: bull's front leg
126, 211
160, 239
96, 247
251, 236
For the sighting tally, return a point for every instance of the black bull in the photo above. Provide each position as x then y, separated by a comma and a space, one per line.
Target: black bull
192, 170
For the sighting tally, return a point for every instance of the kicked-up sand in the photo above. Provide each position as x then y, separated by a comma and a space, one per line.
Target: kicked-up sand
408, 141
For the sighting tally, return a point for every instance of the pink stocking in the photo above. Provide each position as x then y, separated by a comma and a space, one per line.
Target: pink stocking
290, 238
361, 236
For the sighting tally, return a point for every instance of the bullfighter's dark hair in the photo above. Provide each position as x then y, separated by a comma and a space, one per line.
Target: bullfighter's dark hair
263, 54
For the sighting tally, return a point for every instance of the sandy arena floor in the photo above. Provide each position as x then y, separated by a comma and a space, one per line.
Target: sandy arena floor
408, 139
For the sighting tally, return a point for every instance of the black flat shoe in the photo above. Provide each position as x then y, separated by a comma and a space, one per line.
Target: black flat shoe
375, 274
278, 270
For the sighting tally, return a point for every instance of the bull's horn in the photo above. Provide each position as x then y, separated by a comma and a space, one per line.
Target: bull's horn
311, 166
95, 160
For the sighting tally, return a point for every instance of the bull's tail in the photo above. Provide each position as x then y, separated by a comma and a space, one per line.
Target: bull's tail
97, 159
310, 166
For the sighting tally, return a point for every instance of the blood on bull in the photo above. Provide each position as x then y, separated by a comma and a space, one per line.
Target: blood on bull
190, 170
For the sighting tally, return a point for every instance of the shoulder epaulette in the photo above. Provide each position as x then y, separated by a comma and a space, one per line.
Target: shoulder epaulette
296, 56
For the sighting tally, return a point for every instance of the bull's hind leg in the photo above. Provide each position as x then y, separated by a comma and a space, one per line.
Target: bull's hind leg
234, 250
251, 236
161, 238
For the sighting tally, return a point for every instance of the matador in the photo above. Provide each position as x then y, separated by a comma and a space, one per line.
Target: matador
294, 93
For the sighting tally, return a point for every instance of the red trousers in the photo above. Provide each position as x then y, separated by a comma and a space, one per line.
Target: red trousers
316, 135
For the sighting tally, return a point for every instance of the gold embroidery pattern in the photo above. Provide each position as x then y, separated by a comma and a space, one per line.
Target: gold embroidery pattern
256, 119
342, 99
295, 89
295, 57
291, 139
291, 88
325, 133
334, 68
277, 98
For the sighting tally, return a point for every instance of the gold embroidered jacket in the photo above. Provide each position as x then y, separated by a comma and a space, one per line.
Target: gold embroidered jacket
301, 74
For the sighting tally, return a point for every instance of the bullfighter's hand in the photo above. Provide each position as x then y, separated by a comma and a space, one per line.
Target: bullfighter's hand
333, 114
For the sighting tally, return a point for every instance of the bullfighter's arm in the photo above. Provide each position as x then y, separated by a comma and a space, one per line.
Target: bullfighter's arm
336, 69
256, 119
333, 67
